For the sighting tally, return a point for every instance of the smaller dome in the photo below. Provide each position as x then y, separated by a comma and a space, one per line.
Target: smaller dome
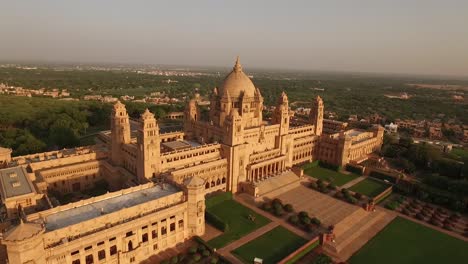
238, 83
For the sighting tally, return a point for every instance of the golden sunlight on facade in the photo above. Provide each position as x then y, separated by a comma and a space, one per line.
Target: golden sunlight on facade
158, 181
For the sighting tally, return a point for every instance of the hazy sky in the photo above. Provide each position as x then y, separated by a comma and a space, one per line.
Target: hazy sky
402, 36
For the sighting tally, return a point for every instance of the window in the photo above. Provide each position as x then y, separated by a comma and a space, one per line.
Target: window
132, 259
113, 250
144, 237
163, 230
155, 246
130, 245
89, 259
101, 254
111, 239
76, 261
129, 234
75, 252
100, 243
144, 227
88, 247
172, 227
181, 223
154, 234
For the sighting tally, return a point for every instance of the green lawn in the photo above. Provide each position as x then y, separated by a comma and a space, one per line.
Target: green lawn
236, 216
406, 242
462, 153
369, 187
335, 177
271, 247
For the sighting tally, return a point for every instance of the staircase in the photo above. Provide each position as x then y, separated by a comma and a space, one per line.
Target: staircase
355, 231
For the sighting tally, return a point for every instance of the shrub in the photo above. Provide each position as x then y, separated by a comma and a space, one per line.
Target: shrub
358, 196
344, 191
267, 207
310, 228
288, 208
316, 221
181, 257
305, 220
196, 257
201, 248
313, 185
303, 214
277, 201
166, 261
214, 260
279, 211
352, 200
193, 250
420, 217
319, 182
332, 186
339, 195
174, 260
216, 221
293, 219
206, 253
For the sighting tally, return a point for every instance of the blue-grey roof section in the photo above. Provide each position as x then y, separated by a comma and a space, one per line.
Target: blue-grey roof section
15, 182
89, 211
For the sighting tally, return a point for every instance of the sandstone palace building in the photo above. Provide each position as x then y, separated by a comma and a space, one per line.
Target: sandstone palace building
158, 181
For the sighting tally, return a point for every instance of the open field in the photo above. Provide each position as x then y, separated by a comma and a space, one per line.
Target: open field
236, 216
406, 242
369, 187
271, 247
335, 177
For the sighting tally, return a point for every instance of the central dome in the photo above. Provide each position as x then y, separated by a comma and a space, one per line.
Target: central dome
238, 83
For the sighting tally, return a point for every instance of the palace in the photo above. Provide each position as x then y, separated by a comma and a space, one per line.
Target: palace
157, 181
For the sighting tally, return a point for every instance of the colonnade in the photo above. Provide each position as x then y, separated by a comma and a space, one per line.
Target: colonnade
260, 172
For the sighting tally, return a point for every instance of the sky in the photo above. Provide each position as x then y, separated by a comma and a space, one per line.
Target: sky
389, 36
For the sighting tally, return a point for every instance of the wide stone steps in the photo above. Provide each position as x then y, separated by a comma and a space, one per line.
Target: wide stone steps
351, 220
359, 230
360, 241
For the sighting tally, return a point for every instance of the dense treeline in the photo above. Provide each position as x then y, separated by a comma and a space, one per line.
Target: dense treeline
30, 125
344, 94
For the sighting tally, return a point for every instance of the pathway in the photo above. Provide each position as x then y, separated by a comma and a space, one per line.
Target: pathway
275, 222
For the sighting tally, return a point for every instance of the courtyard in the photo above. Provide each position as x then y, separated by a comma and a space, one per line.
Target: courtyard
369, 187
271, 246
239, 219
407, 242
332, 176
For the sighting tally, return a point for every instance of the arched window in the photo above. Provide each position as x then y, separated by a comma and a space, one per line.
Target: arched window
207, 185
224, 180
130, 246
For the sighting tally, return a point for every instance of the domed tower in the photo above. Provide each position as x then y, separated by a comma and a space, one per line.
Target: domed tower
148, 142
120, 132
191, 116
238, 92
316, 115
281, 114
24, 243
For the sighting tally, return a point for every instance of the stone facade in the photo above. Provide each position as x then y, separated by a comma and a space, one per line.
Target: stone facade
158, 181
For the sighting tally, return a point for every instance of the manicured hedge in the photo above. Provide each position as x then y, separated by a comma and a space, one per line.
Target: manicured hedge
216, 221
354, 169
383, 176
329, 166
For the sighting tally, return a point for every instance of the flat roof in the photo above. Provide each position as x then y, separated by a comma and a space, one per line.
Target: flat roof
175, 145
15, 182
89, 211
354, 132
